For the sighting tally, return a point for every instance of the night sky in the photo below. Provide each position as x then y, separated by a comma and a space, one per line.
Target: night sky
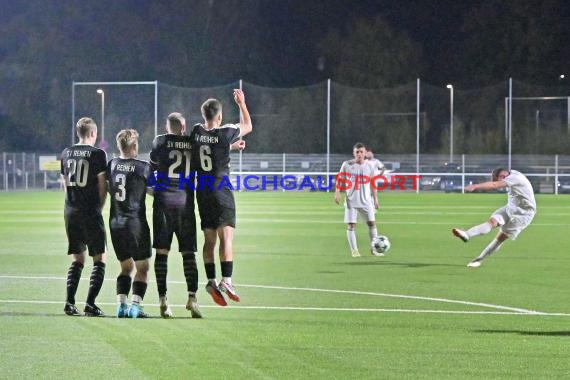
47, 44
281, 35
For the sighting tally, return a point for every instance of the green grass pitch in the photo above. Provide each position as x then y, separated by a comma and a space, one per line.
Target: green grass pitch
309, 310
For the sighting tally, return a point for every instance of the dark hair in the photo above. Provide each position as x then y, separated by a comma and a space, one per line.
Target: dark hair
496, 172
211, 108
358, 146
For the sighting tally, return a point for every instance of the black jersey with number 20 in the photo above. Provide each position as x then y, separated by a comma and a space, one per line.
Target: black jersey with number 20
80, 165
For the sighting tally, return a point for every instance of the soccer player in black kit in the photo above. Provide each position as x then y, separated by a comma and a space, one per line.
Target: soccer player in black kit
211, 159
130, 234
173, 211
83, 172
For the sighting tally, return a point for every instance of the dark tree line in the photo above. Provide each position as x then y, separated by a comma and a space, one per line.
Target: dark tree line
46, 45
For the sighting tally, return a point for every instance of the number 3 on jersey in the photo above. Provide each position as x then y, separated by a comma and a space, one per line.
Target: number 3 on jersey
205, 159
121, 194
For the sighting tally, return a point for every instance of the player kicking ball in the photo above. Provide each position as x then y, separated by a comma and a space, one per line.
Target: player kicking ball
512, 218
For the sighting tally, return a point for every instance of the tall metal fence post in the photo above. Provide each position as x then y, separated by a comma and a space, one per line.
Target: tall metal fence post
14, 170
510, 120
4, 174
418, 131
34, 168
328, 127
155, 107
284, 169
240, 117
72, 112
556, 174
463, 173
24, 171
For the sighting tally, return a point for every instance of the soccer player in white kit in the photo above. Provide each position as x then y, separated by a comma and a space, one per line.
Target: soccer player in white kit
360, 196
378, 166
512, 218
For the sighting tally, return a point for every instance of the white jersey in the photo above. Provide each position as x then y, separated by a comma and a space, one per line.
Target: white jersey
376, 164
361, 197
521, 195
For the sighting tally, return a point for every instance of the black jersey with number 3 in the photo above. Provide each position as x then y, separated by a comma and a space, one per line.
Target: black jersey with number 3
127, 186
171, 157
211, 154
80, 165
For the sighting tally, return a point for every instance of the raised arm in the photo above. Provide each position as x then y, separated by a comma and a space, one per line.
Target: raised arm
245, 119
238, 145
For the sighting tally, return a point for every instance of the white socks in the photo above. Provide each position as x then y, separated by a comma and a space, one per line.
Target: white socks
493, 246
372, 232
481, 229
351, 235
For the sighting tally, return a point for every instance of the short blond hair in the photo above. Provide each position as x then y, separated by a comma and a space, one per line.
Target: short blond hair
175, 122
127, 139
84, 127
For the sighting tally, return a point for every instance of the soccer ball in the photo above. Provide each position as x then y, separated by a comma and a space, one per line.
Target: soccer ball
380, 244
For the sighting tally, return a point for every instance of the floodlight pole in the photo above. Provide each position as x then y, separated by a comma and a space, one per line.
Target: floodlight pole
328, 128
100, 91
418, 130
450, 122
510, 108
72, 112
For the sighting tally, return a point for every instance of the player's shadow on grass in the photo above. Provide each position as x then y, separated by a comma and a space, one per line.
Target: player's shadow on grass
40, 314
407, 265
526, 333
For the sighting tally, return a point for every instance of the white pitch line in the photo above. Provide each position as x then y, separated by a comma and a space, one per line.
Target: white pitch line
445, 300
336, 291
340, 309
384, 222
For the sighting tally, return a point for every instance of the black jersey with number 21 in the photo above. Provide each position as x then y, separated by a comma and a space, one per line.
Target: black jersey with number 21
170, 157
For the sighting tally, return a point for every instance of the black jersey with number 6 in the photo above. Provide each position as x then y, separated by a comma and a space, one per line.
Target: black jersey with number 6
127, 186
211, 155
171, 157
80, 165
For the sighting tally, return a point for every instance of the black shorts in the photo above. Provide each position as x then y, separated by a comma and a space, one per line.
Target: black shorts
217, 208
131, 238
85, 230
169, 221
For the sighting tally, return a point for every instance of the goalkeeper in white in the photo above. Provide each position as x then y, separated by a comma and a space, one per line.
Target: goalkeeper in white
512, 218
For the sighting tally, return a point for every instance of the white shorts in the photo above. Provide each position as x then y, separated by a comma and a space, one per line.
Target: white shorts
351, 213
511, 226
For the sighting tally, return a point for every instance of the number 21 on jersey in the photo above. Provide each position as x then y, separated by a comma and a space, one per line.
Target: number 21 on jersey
178, 157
